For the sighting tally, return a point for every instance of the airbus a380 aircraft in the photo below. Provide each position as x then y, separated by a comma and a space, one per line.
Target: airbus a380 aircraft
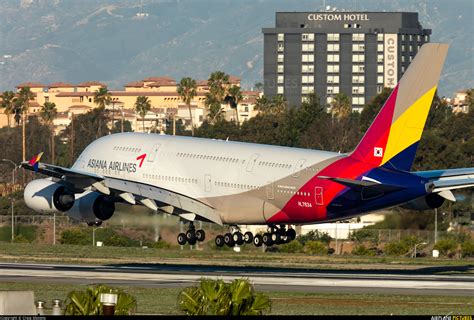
233, 183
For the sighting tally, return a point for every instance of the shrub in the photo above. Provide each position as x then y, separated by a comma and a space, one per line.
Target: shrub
362, 250
467, 248
88, 302
116, 240
158, 245
396, 248
215, 297
446, 247
363, 235
75, 236
20, 239
314, 235
291, 247
316, 247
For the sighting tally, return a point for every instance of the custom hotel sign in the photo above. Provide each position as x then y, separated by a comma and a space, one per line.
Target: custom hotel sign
338, 17
390, 60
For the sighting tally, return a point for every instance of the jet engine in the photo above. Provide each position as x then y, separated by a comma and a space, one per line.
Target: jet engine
431, 201
92, 206
47, 196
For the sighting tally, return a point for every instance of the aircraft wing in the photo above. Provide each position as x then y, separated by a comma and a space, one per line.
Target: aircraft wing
360, 184
449, 179
130, 191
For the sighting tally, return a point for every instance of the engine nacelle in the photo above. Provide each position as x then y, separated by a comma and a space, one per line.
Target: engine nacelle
431, 201
92, 206
47, 196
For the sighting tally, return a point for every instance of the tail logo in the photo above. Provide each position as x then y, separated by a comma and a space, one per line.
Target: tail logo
378, 152
34, 162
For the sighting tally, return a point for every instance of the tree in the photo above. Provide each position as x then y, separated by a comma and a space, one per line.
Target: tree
187, 90
341, 106
142, 106
25, 95
218, 83
259, 86
215, 297
48, 114
102, 97
234, 98
8, 104
88, 302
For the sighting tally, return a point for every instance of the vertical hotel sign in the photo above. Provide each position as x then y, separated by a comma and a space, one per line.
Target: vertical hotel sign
390, 60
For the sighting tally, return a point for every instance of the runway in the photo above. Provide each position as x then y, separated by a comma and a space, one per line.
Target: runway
425, 282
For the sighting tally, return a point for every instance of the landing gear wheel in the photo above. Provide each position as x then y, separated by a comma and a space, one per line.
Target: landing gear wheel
248, 237
182, 239
291, 234
191, 235
276, 237
257, 240
220, 241
200, 235
238, 238
228, 240
267, 239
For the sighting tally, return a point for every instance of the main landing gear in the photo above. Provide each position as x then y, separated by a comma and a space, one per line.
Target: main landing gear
275, 235
191, 236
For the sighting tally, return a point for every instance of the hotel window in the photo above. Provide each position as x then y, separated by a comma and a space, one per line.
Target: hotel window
280, 68
418, 38
307, 36
307, 68
280, 79
333, 47
380, 58
332, 79
281, 58
281, 37
380, 88
380, 68
358, 69
358, 100
329, 99
333, 58
403, 48
403, 69
304, 99
411, 48
418, 47
427, 38
358, 90
307, 58
358, 37
307, 79
379, 36
332, 90
403, 58
333, 68
358, 47
307, 89
411, 58
281, 47
308, 47
380, 47
333, 36
280, 90
380, 79
411, 37
403, 37
358, 58
358, 79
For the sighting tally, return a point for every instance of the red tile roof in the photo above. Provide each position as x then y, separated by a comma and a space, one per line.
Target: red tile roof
135, 84
155, 79
31, 85
61, 85
124, 94
91, 83
234, 79
162, 83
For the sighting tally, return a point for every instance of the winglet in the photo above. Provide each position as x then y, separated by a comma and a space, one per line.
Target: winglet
34, 162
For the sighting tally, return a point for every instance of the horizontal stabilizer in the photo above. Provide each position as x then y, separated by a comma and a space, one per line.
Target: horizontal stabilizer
358, 184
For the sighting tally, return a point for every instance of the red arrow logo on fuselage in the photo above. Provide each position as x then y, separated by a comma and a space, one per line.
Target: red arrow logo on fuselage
141, 158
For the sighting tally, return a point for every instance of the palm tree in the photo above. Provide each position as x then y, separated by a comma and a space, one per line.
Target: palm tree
236, 97
48, 114
341, 106
102, 97
187, 91
8, 104
218, 83
142, 106
278, 104
25, 95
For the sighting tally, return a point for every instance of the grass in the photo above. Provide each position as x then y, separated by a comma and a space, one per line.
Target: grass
27, 232
164, 301
43, 253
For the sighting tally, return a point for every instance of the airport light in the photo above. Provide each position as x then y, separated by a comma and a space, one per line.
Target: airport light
418, 244
11, 195
93, 234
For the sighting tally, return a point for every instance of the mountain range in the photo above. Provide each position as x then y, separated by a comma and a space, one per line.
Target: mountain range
121, 41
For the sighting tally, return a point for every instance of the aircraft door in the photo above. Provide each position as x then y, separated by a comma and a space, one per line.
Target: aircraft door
318, 196
270, 193
207, 182
298, 167
154, 152
252, 162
